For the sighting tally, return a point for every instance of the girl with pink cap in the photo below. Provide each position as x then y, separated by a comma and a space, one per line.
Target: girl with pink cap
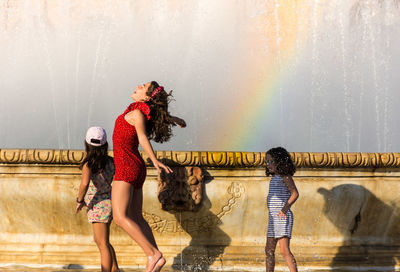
95, 192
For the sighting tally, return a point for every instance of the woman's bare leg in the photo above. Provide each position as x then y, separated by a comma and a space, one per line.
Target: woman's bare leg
108, 260
284, 245
121, 200
270, 254
135, 212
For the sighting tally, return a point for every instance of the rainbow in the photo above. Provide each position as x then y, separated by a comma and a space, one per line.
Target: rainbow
284, 34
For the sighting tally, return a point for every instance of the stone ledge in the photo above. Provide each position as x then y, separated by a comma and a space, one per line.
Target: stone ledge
214, 159
232, 256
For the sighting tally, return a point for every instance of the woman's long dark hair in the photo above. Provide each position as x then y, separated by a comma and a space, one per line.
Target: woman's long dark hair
282, 160
96, 157
159, 127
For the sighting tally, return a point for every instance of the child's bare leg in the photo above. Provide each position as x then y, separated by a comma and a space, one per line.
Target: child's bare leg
270, 254
284, 245
114, 267
101, 234
121, 200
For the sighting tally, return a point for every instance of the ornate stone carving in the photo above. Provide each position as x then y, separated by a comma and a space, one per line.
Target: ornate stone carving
214, 159
235, 190
181, 190
41, 156
354, 160
197, 224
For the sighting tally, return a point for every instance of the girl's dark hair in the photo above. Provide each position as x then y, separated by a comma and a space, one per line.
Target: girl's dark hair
282, 160
96, 157
158, 128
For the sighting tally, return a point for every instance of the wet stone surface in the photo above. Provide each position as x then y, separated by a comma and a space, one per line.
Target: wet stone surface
72, 269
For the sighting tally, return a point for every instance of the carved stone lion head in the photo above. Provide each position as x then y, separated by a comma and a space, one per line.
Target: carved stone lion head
181, 190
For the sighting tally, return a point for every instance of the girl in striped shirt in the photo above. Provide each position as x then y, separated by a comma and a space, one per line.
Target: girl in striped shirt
282, 194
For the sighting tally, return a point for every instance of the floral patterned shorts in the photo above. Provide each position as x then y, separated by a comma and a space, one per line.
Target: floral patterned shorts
99, 208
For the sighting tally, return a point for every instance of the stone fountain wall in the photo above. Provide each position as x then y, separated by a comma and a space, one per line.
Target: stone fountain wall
347, 213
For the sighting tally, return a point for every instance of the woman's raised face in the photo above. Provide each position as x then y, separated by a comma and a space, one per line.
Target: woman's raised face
139, 94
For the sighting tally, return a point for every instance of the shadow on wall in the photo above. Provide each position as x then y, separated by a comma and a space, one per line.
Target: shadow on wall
183, 193
369, 226
208, 240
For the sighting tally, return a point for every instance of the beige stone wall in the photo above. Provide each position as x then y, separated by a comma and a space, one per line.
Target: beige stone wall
347, 213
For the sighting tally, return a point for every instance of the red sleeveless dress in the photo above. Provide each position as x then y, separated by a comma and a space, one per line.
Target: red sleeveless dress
129, 165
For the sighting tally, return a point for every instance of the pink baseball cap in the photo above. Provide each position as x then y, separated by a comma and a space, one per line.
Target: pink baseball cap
96, 136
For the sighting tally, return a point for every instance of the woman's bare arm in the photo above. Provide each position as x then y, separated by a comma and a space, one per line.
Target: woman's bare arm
137, 119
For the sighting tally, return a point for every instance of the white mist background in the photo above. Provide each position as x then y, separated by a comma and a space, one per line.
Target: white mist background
67, 65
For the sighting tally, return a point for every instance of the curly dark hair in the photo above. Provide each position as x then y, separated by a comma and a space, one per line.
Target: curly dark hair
96, 157
159, 127
282, 160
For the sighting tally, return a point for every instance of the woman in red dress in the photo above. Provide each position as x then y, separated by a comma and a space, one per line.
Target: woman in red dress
145, 119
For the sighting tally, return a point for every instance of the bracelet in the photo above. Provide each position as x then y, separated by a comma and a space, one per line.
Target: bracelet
80, 202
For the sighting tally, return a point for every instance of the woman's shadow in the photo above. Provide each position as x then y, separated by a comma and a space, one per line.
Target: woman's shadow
208, 240
368, 226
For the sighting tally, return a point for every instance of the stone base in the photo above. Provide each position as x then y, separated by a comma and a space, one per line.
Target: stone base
345, 216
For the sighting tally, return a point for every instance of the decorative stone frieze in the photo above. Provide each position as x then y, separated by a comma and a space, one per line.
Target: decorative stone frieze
181, 190
213, 159
41, 156
201, 223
